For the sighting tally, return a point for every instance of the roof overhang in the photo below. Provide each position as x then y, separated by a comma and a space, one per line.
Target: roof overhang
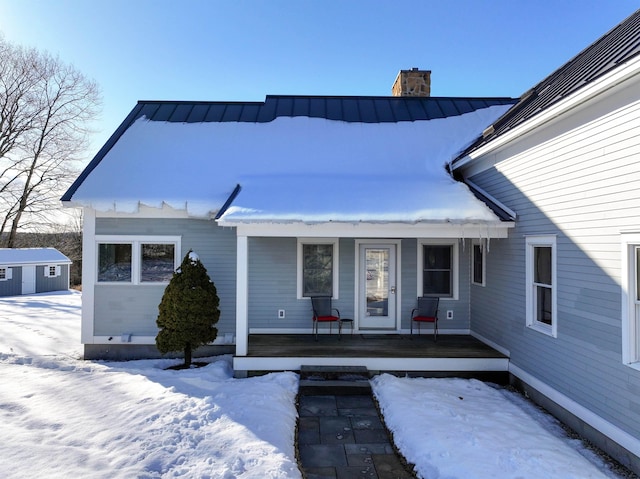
499, 229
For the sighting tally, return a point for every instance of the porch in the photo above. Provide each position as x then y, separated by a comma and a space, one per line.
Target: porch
450, 354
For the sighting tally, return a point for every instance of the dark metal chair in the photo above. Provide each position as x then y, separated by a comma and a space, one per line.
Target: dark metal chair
324, 313
426, 312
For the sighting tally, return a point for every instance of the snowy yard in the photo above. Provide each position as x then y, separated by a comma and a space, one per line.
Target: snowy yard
63, 417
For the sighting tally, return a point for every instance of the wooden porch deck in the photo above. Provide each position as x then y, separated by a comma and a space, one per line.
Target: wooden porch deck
378, 352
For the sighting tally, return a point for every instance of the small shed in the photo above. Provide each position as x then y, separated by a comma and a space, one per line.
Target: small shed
33, 270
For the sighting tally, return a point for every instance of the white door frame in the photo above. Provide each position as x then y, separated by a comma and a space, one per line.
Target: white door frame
357, 283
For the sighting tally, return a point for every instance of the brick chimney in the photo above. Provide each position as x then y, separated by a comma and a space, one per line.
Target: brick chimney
414, 82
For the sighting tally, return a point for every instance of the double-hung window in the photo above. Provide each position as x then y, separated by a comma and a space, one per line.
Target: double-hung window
541, 284
137, 260
317, 268
438, 270
630, 289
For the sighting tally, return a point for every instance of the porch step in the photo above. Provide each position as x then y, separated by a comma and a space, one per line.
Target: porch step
334, 380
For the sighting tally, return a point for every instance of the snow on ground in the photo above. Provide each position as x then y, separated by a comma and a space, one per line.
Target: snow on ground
64, 417
458, 428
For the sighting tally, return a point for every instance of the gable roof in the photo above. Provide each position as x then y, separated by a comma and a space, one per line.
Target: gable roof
618, 46
20, 256
268, 161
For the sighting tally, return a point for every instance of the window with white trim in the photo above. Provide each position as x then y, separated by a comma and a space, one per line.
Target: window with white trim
438, 268
478, 275
630, 292
5, 273
541, 284
317, 267
139, 260
51, 271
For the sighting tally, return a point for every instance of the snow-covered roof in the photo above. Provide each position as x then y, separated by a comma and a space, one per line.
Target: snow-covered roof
20, 256
292, 169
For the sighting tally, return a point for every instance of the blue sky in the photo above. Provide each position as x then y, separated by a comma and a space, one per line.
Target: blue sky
246, 49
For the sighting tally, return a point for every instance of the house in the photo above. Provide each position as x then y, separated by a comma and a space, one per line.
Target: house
280, 199
520, 215
561, 294
33, 270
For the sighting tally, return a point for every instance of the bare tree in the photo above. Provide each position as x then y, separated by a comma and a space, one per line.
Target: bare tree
46, 108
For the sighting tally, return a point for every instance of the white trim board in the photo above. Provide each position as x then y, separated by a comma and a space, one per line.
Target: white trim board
373, 364
616, 434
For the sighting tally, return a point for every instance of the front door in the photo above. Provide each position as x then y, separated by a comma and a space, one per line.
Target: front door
377, 286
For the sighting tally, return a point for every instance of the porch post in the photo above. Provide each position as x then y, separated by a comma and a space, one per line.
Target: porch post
89, 269
242, 297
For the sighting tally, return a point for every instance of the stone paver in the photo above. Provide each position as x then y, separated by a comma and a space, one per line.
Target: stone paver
342, 437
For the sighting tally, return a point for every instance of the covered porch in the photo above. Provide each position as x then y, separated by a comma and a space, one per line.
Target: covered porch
378, 352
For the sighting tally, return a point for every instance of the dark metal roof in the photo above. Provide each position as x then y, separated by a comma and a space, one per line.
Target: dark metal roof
362, 109
615, 48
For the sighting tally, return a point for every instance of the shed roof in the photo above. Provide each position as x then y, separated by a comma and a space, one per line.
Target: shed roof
29, 256
616, 47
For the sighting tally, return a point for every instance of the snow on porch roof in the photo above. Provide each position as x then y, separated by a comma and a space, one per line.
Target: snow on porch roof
20, 256
294, 168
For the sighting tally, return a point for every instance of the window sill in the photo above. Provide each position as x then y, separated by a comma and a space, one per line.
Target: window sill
635, 365
543, 328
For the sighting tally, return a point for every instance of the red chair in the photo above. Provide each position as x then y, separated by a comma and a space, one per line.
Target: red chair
426, 312
324, 313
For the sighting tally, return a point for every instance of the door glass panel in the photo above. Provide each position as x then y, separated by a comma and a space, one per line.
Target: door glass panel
377, 283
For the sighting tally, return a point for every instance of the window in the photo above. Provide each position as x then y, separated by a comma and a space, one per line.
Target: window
157, 262
317, 268
438, 273
541, 289
51, 271
5, 273
137, 261
114, 262
477, 261
630, 289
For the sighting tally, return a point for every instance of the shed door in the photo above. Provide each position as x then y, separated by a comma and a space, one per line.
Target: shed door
28, 279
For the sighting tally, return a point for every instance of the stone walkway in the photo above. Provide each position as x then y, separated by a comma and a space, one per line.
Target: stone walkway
342, 437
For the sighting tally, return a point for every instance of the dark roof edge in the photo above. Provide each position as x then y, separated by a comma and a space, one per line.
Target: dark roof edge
131, 117
563, 76
227, 203
502, 211
267, 97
